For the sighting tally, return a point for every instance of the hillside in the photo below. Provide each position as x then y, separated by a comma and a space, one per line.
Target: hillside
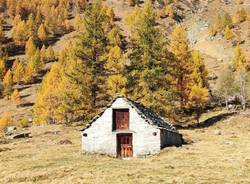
217, 51
217, 154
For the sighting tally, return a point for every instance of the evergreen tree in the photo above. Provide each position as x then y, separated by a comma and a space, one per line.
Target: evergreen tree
42, 33
182, 64
148, 71
92, 49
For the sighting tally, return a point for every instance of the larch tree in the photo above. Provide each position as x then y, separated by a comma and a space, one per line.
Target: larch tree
15, 97
115, 66
42, 33
43, 54
20, 33
32, 27
182, 64
2, 68
241, 66
228, 33
30, 48
50, 54
8, 83
49, 100
198, 98
19, 72
148, 73
239, 59
199, 74
199, 92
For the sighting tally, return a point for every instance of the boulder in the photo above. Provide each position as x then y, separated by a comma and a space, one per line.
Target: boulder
10, 130
217, 132
21, 135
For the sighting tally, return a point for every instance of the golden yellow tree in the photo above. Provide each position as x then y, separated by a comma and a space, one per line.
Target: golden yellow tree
116, 65
42, 33
2, 68
198, 98
15, 97
8, 83
50, 98
30, 48
19, 73
5, 120
228, 33
182, 64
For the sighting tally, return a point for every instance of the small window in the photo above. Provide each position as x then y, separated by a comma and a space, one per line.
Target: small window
120, 119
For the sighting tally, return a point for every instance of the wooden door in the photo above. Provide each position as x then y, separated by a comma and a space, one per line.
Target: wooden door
124, 145
121, 119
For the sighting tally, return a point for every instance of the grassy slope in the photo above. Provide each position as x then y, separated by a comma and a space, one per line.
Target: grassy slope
210, 158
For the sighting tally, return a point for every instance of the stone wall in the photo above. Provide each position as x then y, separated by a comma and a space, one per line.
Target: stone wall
101, 139
169, 138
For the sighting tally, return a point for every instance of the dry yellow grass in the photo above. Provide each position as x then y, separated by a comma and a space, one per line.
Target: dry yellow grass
210, 158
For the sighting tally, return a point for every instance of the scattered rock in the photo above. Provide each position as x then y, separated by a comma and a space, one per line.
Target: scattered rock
21, 135
4, 141
228, 143
4, 149
51, 132
66, 141
217, 132
212, 76
10, 130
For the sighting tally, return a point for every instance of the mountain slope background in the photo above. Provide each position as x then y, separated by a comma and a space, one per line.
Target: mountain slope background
196, 17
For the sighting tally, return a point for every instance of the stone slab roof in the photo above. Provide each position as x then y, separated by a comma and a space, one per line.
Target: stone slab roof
146, 113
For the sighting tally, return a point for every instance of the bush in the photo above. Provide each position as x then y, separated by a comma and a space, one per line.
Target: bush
24, 123
5, 120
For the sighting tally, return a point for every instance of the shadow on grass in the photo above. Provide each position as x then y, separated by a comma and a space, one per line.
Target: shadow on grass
208, 122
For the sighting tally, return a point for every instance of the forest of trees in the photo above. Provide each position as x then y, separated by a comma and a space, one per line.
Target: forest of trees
168, 78
162, 72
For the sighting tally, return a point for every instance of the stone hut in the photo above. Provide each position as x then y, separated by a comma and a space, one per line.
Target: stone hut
126, 128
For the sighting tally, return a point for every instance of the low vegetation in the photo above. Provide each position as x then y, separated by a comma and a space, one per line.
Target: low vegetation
216, 154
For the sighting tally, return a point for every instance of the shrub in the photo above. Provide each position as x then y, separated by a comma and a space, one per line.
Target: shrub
5, 120
24, 123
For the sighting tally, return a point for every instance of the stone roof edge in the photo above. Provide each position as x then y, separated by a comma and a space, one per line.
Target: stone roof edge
137, 110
